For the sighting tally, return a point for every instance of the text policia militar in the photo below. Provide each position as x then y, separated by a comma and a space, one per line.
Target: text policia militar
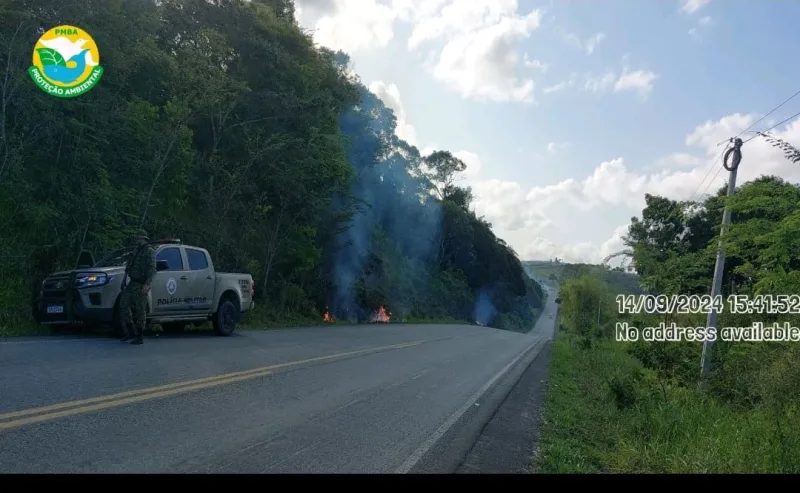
781, 304
758, 332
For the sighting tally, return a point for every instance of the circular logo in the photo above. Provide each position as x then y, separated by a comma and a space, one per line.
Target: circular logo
66, 62
172, 286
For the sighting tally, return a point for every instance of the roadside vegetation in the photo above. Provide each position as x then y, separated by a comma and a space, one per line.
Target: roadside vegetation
636, 406
551, 271
220, 123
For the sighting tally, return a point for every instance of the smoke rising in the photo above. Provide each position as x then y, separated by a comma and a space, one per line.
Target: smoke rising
390, 203
484, 309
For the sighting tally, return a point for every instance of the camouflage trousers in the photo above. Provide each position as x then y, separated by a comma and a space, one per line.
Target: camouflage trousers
133, 304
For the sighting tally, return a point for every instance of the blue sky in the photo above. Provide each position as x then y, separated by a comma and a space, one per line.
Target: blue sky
567, 112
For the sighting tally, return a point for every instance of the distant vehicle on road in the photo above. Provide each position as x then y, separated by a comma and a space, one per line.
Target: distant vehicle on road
185, 289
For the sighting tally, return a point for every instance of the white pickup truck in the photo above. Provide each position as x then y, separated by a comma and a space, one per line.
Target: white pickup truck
185, 289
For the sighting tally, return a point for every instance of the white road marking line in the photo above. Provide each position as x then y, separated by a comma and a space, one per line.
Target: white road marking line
439, 433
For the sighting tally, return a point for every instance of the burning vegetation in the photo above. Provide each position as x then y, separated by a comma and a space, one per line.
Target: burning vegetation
380, 316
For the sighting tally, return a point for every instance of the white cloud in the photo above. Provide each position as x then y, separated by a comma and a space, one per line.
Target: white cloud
682, 175
589, 46
540, 248
593, 42
472, 161
480, 58
615, 243
640, 81
692, 6
678, 160
554, 88
535, 64
560, 86
554, 147
600, 83
390, 95
702, 23
428, 150
348, 25
503, 204
416, 10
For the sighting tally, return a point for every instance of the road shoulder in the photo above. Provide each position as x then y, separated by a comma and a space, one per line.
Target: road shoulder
508, 441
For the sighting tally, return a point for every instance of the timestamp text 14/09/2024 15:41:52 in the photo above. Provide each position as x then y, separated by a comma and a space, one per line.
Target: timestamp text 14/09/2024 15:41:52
695, 304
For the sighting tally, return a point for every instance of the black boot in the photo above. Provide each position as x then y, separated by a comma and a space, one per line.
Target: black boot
138, 336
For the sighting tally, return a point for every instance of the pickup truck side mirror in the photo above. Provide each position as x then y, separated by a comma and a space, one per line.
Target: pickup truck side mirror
85, 259
162, 265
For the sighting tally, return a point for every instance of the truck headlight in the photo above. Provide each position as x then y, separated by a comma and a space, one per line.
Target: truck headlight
92, 280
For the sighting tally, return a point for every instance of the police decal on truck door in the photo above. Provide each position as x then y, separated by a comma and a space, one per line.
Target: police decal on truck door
169, 287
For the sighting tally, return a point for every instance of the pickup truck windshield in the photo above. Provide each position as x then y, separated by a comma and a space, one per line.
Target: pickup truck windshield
116, 258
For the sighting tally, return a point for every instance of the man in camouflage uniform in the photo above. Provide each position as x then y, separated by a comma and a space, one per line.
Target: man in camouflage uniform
141, 268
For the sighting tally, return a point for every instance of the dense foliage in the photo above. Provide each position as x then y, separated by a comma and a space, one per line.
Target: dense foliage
219, 122
674, 247
750, 409
619, 277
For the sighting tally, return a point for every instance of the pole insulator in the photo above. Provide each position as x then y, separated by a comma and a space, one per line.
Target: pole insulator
736, 151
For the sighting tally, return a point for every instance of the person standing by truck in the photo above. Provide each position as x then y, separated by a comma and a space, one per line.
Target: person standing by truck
140, 269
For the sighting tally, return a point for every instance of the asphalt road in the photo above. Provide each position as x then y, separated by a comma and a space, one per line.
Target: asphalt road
352, 399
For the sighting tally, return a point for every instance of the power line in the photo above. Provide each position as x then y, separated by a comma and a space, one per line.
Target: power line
694, 195
772, 127
712, 180
762, 118
756, 134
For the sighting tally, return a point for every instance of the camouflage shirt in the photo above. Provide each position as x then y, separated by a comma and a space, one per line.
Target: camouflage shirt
142, 266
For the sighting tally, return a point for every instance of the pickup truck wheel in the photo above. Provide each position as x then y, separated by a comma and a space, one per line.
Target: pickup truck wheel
225, 318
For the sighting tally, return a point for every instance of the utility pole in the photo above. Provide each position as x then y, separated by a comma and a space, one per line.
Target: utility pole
719, 267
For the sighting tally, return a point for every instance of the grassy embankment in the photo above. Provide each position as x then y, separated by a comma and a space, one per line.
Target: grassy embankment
619, 407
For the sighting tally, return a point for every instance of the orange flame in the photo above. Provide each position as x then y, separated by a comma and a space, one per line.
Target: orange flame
327, 317
382, 315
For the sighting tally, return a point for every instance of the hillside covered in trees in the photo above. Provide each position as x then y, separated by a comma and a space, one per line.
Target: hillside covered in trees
222, 124
618, 277
637, 405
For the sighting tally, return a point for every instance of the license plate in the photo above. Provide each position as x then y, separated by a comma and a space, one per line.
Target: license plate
55, 309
